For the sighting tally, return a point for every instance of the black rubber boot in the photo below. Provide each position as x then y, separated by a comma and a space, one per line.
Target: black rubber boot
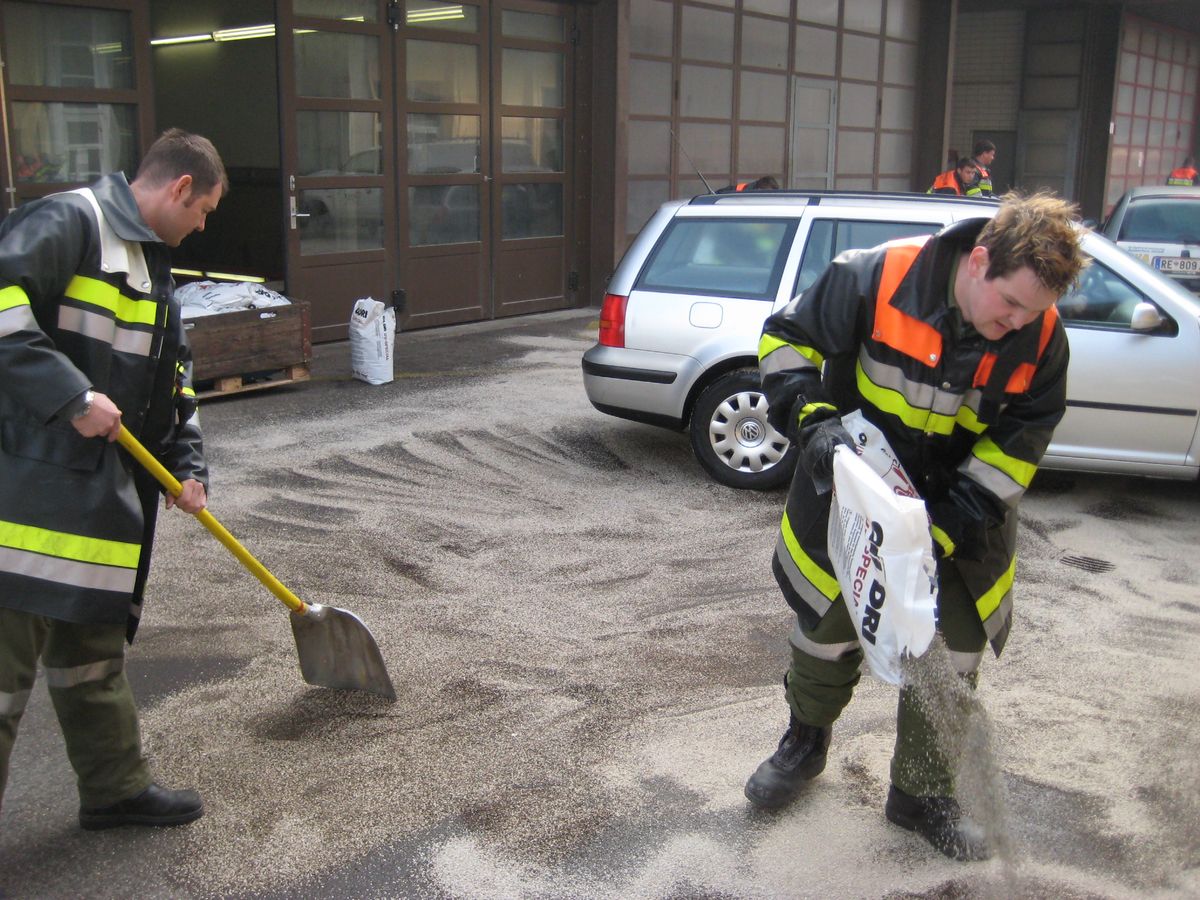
940, 821
153, 806
800, 757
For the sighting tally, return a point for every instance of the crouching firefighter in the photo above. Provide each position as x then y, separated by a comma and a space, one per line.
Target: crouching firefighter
91, 335
952, 346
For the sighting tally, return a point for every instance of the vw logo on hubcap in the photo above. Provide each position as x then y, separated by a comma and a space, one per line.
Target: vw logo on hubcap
751, 432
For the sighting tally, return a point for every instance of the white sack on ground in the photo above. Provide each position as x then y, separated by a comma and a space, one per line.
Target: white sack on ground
882, 553
372, 341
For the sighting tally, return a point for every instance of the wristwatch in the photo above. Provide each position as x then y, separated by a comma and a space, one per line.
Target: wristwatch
89, 396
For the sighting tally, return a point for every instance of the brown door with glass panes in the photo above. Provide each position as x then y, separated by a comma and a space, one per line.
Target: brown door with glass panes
75, 94
485, 115
335, 67
444, 180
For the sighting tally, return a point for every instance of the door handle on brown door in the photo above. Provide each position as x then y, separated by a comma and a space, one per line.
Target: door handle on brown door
296, 215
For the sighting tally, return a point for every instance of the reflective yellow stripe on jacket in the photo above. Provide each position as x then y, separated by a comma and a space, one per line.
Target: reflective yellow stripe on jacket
815, 586
109, 297
776, 355
15, 312
891, 399
992, 601
1005, 476
113, 318
67, 558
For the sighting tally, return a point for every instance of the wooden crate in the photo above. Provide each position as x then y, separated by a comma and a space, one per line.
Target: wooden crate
250, 349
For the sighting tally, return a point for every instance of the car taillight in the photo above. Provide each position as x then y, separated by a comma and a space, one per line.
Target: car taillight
612, 321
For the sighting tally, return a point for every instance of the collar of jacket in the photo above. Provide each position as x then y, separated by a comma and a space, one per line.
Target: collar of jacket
922, 292
121, 209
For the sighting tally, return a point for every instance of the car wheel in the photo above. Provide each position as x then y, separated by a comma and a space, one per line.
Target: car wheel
732, 438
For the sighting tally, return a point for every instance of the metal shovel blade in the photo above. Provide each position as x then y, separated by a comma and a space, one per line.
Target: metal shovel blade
337, 651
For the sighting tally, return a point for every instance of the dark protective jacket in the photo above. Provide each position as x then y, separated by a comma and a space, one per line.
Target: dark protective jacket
86, 300
983, 181
968, 418
1184, 175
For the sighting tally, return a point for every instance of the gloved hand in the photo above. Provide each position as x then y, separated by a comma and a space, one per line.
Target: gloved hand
817, 443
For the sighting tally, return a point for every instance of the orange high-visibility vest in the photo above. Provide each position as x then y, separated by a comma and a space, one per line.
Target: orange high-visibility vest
1184, 175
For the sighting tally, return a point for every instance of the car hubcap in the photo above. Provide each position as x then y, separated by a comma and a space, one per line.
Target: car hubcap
741, 436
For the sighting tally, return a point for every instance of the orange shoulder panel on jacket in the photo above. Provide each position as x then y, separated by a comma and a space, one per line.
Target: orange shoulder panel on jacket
899, 331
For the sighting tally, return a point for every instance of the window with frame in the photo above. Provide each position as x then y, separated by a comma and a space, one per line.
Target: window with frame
77, 106
720, 257
1103, 299
827, 238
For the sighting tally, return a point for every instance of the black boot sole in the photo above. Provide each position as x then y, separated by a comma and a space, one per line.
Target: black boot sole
101, 821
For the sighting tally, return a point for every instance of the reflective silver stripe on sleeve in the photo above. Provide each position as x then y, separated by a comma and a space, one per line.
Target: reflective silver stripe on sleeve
829, 652
67, 571
13, 704
102, 328
808, 592
965, 663
784, 358
994, 480
17, 318
918, 394
76, 675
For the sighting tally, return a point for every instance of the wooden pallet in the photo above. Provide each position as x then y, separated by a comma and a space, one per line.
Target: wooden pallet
239, 384
250, 350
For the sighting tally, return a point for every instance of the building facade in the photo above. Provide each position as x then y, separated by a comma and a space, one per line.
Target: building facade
469, 161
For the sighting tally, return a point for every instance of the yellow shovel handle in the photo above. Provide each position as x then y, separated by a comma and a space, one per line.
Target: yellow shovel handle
171, 483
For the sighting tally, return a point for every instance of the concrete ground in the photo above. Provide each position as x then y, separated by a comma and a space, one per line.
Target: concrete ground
587, 644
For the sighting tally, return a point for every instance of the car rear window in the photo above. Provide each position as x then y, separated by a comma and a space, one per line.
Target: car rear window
720, 257
829, 237
1176, 221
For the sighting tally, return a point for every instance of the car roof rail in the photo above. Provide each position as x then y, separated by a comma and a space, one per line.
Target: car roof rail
814, 197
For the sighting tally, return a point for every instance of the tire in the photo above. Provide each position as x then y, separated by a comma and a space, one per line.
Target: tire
733, 440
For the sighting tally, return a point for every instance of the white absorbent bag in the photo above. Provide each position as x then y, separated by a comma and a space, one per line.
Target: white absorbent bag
372, 341
882, 554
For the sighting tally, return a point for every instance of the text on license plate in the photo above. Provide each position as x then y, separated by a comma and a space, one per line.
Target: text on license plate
1178, 265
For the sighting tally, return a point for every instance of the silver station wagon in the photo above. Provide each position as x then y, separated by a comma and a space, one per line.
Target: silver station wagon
681, 320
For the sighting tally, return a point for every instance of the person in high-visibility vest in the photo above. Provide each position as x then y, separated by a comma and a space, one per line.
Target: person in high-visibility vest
983, 154
1185, 174
952, 347
959, 181
91, 338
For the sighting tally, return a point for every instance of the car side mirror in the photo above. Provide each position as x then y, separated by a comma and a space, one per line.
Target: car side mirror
1146, 317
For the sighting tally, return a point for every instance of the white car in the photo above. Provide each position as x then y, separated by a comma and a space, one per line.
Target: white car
1161, 227
680, 324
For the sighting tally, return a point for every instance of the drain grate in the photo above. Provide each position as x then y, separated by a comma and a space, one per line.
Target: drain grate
1088, 563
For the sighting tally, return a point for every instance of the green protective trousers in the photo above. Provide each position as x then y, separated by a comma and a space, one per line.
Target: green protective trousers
85, 674
827, 662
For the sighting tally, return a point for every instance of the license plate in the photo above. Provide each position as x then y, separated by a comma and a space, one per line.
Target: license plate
1178, 265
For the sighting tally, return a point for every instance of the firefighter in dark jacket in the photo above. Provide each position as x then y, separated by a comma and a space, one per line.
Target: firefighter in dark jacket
951, 345
983, 155
90, 337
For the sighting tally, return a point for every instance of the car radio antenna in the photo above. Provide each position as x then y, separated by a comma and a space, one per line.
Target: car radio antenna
675, 138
